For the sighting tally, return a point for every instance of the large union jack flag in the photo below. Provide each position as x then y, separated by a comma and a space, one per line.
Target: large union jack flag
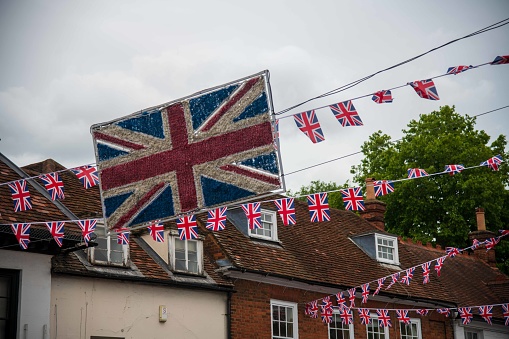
20, 196
207, 150
346, 114
187, 227
465, 314
458, 69
352, 198
87, 175
53, 185
286, 210
254, 215
56, 228
156, 231
485, 313
425, 89
216, 220
22, 233
87, 228
416, 173
318, 205
493, 162
308, 123
382, 97
383, 187
453, 169
384, 320
501, 59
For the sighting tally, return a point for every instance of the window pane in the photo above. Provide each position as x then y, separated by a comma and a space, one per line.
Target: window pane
193, 267
116, 257
275, 312
4, 286
180, 255
3, 307
180, 265
100, 254
180, 245
192, 246
282, 327
275, 328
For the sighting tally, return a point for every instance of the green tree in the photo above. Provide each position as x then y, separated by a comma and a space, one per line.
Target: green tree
439, 208
318, 186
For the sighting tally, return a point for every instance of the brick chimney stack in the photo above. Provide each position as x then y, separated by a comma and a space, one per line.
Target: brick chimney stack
375, 209
482, 234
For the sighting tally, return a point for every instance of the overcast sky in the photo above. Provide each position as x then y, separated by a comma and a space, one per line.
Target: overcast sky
66, 65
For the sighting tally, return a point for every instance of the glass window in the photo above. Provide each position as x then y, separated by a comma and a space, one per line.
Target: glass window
375, 331
108, 251
387, 249
186, 255
284, 320
269, 226
473, 334
412, 330
339, 331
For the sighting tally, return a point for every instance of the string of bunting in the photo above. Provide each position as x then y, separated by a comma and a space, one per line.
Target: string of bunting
384, 320
347, 115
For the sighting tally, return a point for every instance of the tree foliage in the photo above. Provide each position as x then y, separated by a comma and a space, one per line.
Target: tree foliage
441, 208
319, 186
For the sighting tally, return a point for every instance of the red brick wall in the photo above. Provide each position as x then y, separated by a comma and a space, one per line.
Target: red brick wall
251, 316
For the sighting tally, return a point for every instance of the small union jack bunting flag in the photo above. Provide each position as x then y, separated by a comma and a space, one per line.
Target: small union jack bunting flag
475, 244
403, 316
87, 228
383, 187
439, 264
425, 272
308, 123
485, 313
22, 233
20, 196
327, 310
452, 251
123, 236
286, 210
56, 228
312, 309
87, 175
500, 60
444, 311
253, 214
341, 300
409, 274
216, 220
380, 285
505, 309
458, 69
384, 320
416, 173
365, 316
346, 316
395, 278
382, 97
503, 232
465, 314
491, 242
187, 227
318, 205
423, 312
493, 162
365, 293
353, 199
454, 169
156, 231
351, 297
53, 185
346, 114
425, 89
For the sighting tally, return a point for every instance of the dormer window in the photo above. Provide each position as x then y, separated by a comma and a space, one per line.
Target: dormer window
386, 249
108, 251
186, 255
269, 226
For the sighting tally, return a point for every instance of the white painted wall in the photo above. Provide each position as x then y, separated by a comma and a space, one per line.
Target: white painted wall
34, 310
84, 307
488, 331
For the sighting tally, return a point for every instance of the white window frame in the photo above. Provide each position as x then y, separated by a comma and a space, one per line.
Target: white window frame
374, 321
272, 226
412, 321
350, 326
100, 232
286, 304
173, 238
479, 332
394, 240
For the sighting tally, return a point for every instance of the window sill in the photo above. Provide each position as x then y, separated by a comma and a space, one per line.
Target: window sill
189, 274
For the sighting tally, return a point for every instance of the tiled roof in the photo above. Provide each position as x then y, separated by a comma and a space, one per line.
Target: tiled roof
324, 253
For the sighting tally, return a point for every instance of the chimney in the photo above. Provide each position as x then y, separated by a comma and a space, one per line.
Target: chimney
482, 234
375, 209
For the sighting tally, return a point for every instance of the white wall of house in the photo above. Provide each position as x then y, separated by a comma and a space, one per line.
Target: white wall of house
34, 303
83, 307
485, 330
